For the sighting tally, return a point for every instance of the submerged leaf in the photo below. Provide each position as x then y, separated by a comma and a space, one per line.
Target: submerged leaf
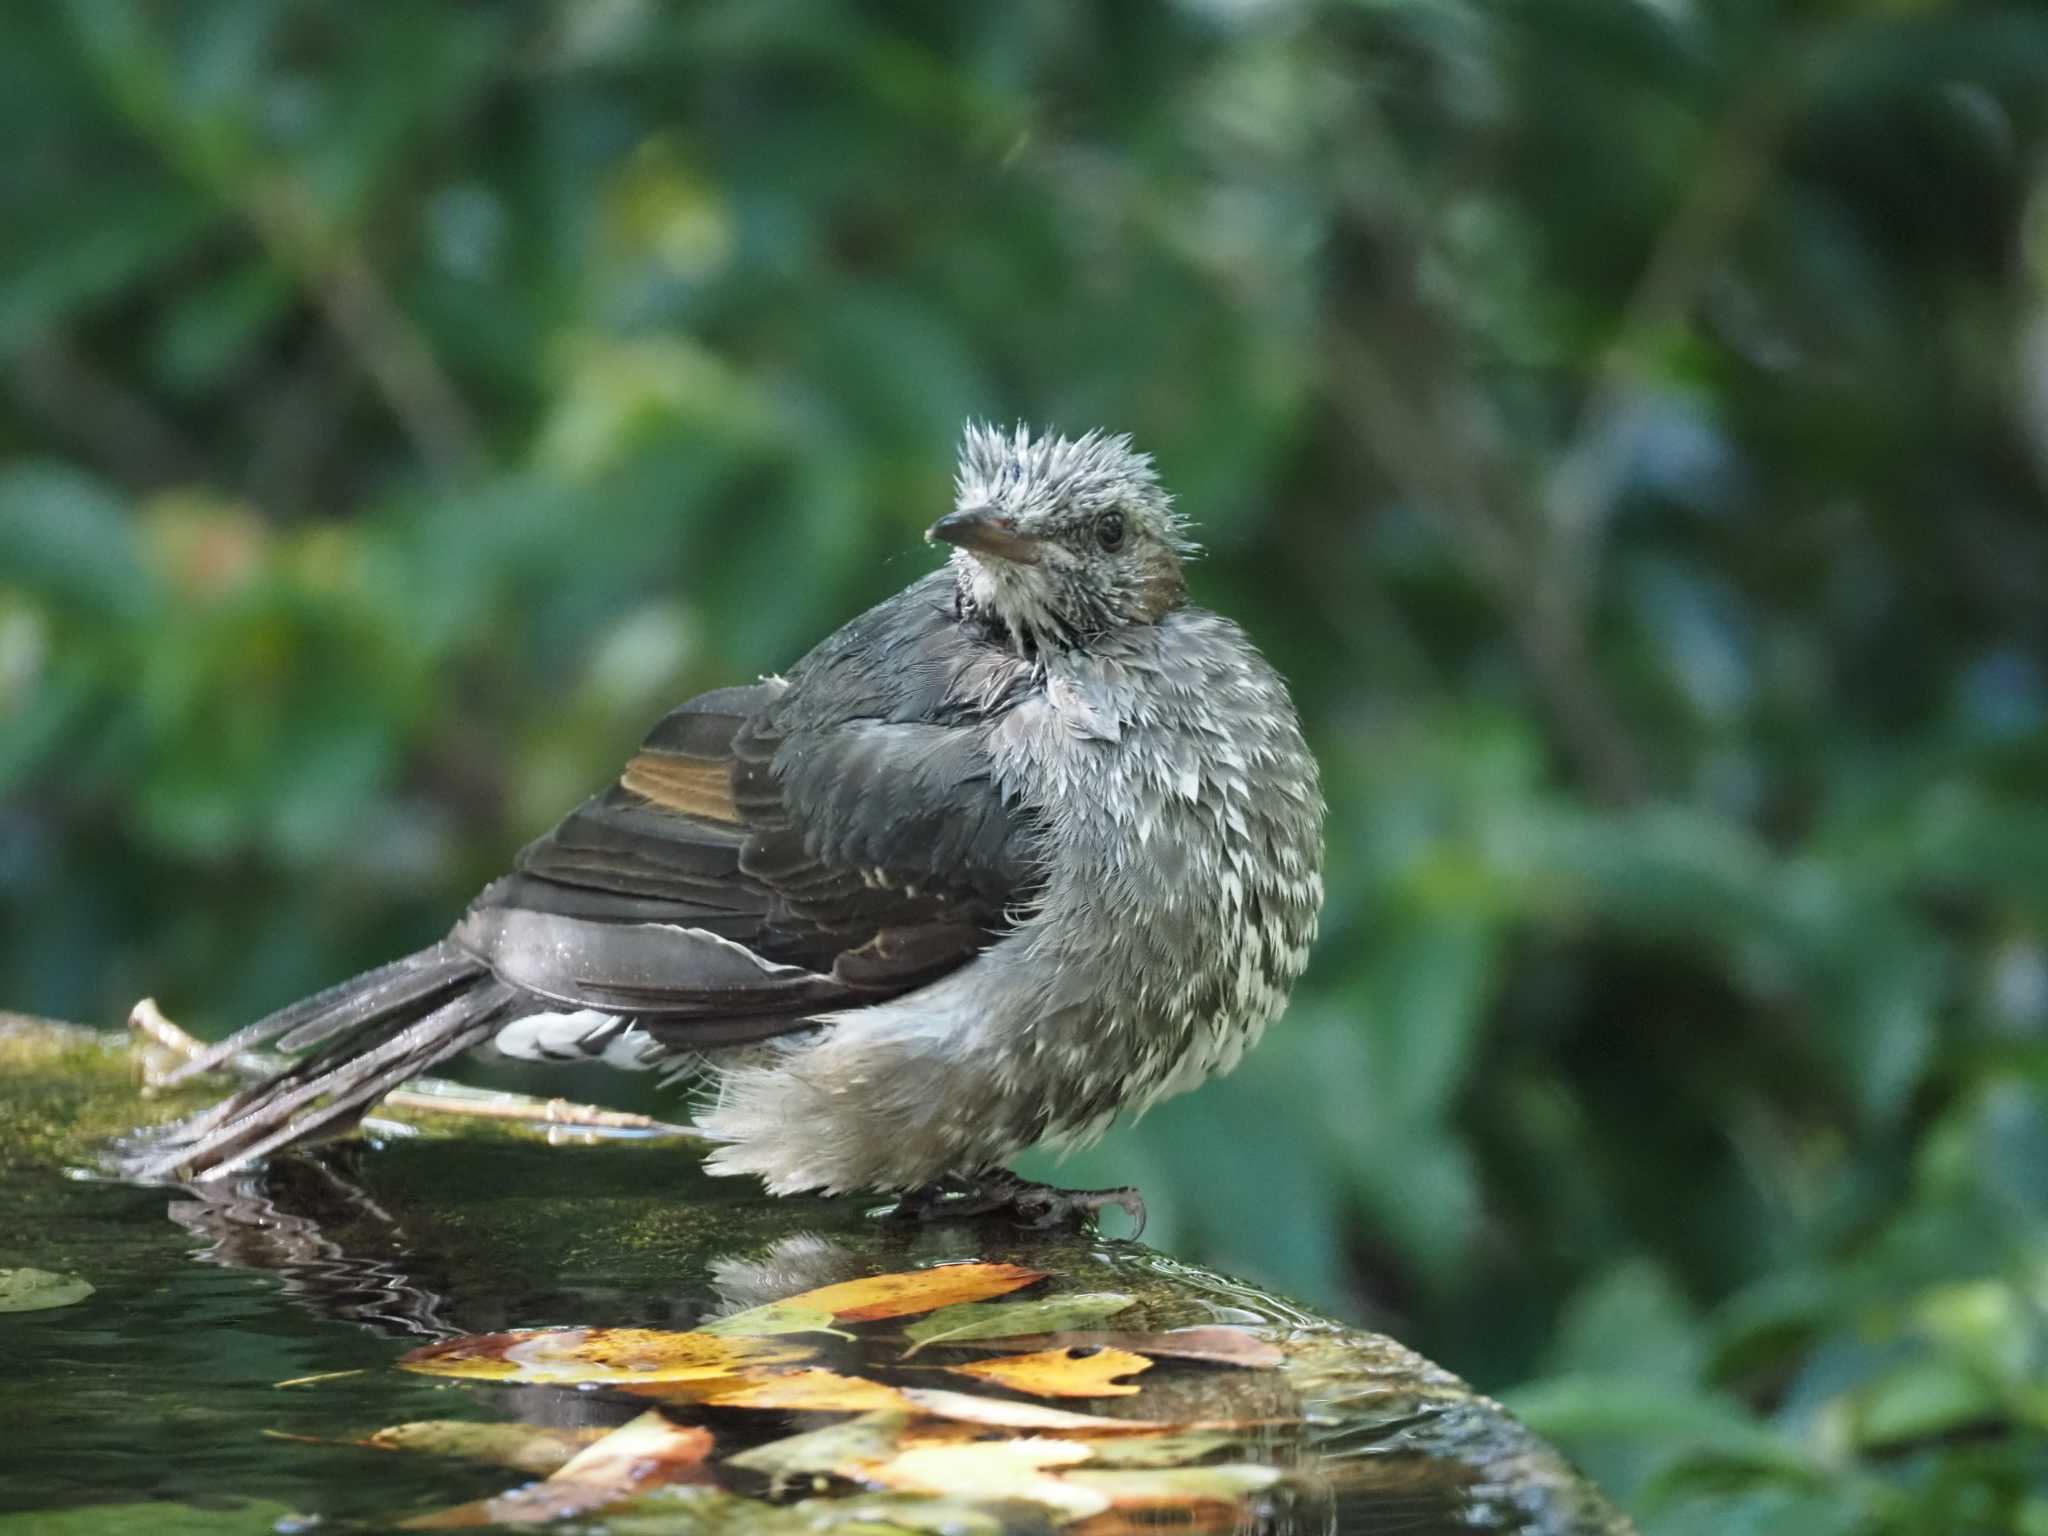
1004, 1414
1211, 1345
1073, 1372
903, 1294
852, 1450
37, 1290
814, 1390
794, 1316
645, 1453
959, 1324
856, 1443
1176, 1487
997, 1469
535, 1448
567, 1356
883, 1514
1176, 1448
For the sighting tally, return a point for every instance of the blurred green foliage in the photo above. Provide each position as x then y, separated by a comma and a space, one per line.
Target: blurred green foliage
1625, 423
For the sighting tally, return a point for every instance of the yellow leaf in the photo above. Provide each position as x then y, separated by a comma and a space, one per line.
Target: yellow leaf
852, 1448
643, 1454
878, 1296
567, 1356
997, 1469
1175, 1448
1003, 1414
810, 1391
793, 1316
1077, 1371
1176, 1487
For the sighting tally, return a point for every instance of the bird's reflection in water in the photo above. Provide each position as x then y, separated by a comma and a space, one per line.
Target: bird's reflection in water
278, 1221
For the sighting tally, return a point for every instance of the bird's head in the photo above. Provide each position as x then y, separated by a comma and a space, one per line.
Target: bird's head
1059, 540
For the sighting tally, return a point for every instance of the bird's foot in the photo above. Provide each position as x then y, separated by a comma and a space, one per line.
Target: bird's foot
1029, 1203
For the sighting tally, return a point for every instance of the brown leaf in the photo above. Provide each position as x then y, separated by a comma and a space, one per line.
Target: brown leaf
1211, 1345
878, 1296
534, 1448
1073, 1372
643, 1454
569, 1356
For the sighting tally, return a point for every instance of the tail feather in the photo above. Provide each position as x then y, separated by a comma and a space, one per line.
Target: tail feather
376, 1032
361, 1000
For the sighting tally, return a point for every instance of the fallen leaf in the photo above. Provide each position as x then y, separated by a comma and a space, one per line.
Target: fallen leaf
645, 1453
1176, 1448
1073, 1372
534, 1448
997, 1469
1211, 1345
961, 1323
815, 1390
1176, 1487
878, 1296
38, 1290
1004, 1414
575, 1355
851, 1450
889, 1514
837, 1450
795, 1316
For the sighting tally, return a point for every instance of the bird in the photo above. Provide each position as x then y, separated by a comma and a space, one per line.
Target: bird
1034, 843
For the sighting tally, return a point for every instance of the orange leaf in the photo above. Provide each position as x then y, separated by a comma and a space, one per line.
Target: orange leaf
643, 1454
1078, 1371
897, 1295
574, 1355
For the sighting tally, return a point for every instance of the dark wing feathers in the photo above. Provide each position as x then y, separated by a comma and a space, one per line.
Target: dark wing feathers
771, 853
778, 850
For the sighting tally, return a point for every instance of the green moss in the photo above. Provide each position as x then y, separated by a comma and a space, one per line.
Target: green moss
65, 1091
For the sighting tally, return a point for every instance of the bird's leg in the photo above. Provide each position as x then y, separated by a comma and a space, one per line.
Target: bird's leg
949, 1198
994, 1190
1047, 1205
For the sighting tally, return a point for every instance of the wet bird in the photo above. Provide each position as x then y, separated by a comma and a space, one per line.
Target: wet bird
1032, 843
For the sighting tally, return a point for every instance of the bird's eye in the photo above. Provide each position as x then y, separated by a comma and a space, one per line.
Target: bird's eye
1109, 530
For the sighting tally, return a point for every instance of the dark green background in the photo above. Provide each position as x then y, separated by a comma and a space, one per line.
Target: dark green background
1625, 424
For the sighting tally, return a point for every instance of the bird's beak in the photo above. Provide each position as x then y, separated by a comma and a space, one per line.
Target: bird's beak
985, 531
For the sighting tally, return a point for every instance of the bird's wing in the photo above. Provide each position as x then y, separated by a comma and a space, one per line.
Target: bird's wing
779, 850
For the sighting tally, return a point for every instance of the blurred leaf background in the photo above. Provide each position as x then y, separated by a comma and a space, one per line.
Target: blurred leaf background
1624, 421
